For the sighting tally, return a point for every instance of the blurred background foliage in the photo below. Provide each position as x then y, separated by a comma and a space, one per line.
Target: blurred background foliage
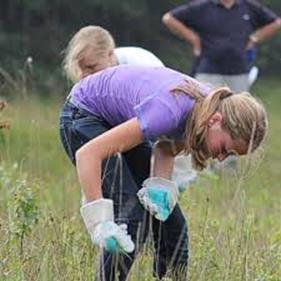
42, 28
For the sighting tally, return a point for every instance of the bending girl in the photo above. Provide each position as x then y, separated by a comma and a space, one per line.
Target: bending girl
116, 114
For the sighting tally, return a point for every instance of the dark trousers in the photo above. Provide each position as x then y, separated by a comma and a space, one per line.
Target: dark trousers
122, 177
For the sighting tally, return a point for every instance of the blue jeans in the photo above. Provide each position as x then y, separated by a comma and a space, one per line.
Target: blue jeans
122, 177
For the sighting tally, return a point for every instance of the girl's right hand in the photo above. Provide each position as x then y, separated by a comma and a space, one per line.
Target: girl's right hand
112, 237
98, 218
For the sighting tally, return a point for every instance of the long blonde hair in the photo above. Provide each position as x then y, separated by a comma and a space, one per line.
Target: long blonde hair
244, 117
90, 38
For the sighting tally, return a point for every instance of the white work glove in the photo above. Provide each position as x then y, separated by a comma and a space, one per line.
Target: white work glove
98, 218
158, 196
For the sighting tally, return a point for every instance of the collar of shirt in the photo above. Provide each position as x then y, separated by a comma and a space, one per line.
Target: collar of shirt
218, 2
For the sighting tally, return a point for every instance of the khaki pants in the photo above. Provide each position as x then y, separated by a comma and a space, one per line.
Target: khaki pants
237, 83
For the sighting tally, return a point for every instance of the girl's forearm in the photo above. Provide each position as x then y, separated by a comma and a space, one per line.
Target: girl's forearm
163, 160
89, 174
90, 156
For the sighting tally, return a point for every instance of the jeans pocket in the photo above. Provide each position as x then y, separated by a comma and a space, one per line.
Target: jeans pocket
89, 127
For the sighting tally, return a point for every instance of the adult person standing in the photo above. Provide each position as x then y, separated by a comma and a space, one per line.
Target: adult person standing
220, 31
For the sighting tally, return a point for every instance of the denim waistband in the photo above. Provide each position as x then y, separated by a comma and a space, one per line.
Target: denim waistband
77, 109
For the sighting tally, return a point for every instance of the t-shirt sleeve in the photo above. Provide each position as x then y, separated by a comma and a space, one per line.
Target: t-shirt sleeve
121, 55
187, 14
262, 15
137, 56
156, 118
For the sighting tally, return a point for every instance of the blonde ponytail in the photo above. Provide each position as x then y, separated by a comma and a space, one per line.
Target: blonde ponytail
243, 117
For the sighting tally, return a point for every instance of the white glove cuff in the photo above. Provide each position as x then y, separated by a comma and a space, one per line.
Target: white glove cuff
97, 211
161, 182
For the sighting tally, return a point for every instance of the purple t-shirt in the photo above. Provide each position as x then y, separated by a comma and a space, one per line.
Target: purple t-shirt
120, 93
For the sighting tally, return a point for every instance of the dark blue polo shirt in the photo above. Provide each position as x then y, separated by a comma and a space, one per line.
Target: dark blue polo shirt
224, 32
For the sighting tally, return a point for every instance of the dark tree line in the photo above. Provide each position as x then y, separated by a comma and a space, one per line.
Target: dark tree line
42, 28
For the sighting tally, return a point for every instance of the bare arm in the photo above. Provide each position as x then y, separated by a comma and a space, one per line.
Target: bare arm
164, 153
264, 32
183, 32
90, 156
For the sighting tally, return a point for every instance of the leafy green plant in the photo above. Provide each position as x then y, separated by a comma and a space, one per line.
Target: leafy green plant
22, 203
24, 211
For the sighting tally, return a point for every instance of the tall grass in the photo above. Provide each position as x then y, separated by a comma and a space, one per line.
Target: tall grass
234, 222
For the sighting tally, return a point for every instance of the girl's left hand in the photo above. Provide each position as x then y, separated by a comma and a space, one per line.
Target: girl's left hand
158, 196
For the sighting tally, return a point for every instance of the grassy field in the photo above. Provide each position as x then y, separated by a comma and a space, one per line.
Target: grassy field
234, 222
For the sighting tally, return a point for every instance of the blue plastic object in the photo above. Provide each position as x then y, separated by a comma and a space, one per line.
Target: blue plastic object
251, 55
161, 198
111, 245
